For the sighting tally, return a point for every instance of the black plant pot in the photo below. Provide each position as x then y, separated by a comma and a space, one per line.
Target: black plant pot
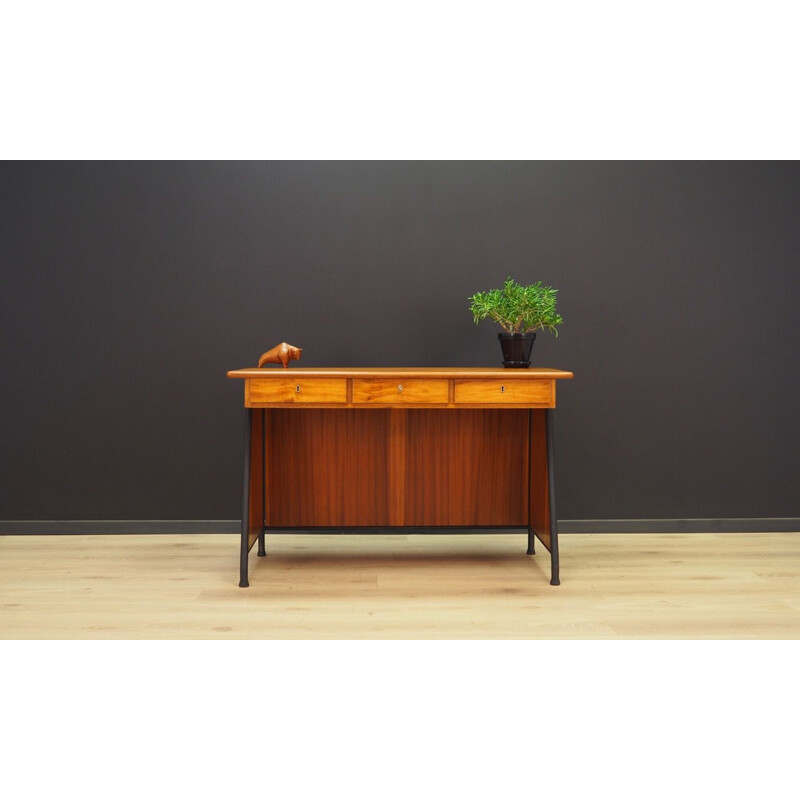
516, 349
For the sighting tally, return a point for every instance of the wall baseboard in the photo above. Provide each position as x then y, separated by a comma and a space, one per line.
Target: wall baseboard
566, 526
711, 525
117, 526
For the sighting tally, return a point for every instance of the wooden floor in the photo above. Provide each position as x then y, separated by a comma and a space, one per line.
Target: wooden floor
656, 586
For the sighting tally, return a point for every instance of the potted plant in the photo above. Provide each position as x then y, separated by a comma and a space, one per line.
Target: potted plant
520, 310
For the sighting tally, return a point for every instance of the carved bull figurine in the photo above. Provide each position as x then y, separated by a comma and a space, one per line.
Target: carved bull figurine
282, 353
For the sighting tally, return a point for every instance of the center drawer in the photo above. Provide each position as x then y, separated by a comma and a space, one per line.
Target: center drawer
400, 391
298, 390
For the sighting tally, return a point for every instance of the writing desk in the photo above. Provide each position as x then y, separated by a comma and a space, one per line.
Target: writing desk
371, 449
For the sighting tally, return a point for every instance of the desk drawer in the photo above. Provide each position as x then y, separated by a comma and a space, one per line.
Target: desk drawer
493, 391
400, 391
298, 390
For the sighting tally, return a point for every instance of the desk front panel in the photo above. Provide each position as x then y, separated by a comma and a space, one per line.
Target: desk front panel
375, 467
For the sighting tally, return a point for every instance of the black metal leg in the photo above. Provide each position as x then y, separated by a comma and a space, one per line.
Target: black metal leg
531, 534
248, 427
551, 484
262, 545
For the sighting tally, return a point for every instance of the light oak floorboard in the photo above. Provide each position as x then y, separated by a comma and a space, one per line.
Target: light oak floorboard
477, 586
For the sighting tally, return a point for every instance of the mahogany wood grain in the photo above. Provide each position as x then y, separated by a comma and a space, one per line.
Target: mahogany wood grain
467, 467
398, 459
373, 467
478, 391
328, 467
539, 515
401, 391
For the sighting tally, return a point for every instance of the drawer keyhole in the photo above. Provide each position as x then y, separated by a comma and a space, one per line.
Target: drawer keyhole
502, 389
400, 387
297, 388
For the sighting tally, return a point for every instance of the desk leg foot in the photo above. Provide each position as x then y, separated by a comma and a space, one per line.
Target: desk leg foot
262, 547
555, 582
531, 544
244, 583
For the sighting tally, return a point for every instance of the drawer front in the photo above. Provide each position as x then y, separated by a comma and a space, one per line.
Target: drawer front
298, 390
492, 391
399, 391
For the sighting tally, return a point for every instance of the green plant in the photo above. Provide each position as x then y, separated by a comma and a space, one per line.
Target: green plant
519, 309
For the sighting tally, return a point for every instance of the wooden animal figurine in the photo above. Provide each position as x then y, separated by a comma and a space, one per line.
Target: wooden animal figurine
281, 354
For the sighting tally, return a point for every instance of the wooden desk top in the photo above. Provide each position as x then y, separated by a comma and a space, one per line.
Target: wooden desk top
532, 373
400, 387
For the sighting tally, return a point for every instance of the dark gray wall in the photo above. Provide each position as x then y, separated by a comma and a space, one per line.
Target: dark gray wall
130, 288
